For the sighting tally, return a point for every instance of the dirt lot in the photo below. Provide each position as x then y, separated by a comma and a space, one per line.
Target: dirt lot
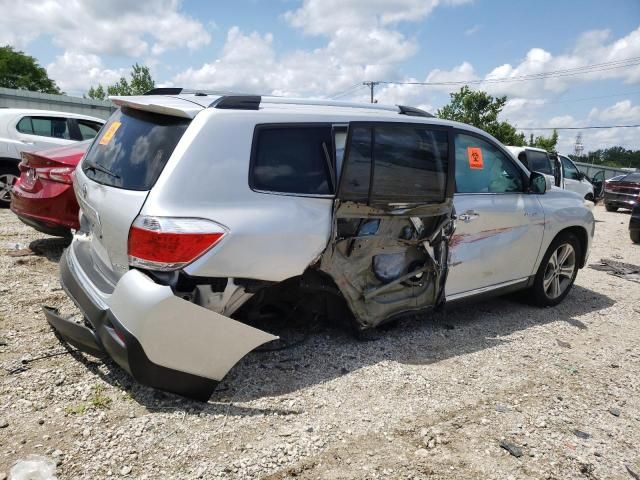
432, 398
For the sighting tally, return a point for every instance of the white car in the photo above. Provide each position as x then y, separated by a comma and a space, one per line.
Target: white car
559, 168
204, 216
25, 130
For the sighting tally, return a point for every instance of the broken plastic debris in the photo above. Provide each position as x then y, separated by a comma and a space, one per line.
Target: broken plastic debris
34, 467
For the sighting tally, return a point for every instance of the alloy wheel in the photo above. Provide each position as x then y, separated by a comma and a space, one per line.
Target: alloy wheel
6, 183
559, 272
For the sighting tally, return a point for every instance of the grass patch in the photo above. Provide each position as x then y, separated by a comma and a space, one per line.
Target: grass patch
79, 409
98, 400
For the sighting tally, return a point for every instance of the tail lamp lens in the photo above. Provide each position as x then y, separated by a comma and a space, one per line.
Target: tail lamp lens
167, 243
61, 174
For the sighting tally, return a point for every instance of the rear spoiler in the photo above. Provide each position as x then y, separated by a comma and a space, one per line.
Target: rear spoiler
173, 106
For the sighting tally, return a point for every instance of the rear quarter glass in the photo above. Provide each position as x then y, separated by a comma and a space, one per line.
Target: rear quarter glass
133, 149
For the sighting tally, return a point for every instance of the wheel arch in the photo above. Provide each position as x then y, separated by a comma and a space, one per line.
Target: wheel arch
9, 162
583, 237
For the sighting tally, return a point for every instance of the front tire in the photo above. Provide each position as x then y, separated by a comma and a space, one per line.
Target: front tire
635, 236
557, 271
610, 208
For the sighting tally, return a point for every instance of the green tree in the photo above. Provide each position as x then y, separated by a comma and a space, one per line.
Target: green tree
612, 157
21, 71
97, 93
548, 143
481, 110
140, 82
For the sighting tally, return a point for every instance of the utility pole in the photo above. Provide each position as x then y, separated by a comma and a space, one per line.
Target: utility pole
371, 86
578, 148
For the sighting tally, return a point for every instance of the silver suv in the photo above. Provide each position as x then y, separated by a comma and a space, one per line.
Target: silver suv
201, 213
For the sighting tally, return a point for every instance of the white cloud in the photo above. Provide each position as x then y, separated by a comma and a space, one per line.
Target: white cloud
472, 30
325, 17
117, 27
620, 112
73, 72
362, 44
593, 47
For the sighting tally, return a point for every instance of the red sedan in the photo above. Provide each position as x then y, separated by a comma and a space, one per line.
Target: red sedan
43, 196
622, 193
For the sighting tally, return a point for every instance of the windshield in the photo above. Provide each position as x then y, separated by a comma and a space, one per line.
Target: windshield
133, 148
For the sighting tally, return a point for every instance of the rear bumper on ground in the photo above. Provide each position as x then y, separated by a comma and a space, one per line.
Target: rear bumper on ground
163, 341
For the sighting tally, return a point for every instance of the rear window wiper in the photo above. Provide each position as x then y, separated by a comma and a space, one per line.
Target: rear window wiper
99, 168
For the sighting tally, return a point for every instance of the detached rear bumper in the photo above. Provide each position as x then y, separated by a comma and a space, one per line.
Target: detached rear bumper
163, 341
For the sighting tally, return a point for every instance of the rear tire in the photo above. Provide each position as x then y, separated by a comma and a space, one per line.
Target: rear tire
635, 236
610, 208
8, 176
557, 271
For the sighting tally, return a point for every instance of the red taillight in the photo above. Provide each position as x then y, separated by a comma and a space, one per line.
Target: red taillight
60, 174
164, 243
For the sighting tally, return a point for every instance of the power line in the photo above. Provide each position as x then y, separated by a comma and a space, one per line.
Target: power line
578, 128
596, 67
351, 89
571, 100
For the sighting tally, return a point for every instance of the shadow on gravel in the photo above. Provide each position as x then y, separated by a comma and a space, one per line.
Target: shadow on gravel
50, 248
421, 340
330, 352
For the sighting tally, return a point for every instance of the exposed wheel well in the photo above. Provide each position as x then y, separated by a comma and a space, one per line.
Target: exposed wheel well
583, 238
12, 163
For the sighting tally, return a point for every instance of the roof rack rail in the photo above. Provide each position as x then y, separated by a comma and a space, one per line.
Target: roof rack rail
414, 112
237, 102
165, 91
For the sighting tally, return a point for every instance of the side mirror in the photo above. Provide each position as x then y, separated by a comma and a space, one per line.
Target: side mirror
539, 183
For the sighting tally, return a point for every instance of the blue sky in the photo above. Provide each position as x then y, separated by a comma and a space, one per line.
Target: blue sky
321, 48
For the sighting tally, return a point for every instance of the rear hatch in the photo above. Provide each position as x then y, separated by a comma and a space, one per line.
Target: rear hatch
121, 167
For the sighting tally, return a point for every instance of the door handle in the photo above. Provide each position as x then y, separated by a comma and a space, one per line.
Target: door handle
468, 215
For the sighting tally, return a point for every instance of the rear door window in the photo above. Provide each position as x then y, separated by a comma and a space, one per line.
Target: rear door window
539, 162
410, 164
53, 127
396, 163
88, 129
296, 159
133, 148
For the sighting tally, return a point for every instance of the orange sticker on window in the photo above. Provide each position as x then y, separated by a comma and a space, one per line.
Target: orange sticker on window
474, 154
109, 133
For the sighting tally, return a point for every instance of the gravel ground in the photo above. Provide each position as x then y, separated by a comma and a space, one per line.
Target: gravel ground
495, 389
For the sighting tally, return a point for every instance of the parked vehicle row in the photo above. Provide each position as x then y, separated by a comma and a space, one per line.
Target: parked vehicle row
202, 216
25, 130
561, 170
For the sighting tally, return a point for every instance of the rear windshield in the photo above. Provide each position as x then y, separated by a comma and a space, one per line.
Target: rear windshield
133, 148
